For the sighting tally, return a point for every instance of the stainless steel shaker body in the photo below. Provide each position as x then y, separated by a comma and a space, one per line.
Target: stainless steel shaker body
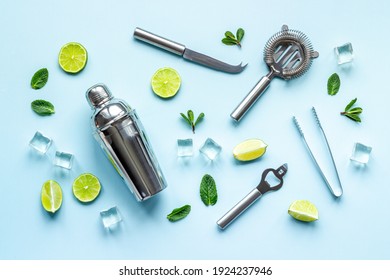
120, 133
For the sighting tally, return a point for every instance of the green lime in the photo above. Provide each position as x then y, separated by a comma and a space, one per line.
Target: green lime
86, 187
72, 57
166, 82
51, 196
249, 150
303, 210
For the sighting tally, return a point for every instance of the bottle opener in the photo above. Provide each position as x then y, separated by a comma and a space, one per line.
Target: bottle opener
255, 194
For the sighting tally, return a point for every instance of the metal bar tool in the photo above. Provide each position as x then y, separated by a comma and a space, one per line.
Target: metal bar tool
288, 54
185, 52
120, 133
254, 195
335, 192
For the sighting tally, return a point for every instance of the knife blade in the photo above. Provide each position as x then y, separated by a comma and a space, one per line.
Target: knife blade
186, 53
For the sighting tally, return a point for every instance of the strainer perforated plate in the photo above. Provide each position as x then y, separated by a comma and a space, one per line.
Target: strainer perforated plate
288, 54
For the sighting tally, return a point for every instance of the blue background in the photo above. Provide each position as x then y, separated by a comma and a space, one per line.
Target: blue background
356, 226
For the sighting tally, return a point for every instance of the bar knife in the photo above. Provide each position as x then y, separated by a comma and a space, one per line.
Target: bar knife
186, 53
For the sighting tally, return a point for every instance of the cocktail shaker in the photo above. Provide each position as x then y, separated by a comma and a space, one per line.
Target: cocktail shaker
118, 130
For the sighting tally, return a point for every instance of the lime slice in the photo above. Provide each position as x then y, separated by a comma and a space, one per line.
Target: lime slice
51, 196
249, 150
166, 82
86, 187
72, 57
303, 210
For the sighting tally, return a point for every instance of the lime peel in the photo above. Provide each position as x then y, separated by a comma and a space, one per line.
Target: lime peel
51, 196
72, 57
250, 149
303, 210
166, 82
86, 187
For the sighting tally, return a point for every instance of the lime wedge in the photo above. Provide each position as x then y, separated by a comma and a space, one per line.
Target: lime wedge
86, 187
51, 196
166, 82
249, 150
72, 57
303, 210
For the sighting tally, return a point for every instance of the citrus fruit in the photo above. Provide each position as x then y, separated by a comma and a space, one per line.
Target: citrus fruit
303, 210
166, 82
51, 196
72, 57
86, 187
249, 150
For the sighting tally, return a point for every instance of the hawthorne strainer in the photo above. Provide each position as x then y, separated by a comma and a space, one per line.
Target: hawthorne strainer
288, 54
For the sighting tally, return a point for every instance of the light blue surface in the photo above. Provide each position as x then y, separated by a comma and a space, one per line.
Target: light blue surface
353, 227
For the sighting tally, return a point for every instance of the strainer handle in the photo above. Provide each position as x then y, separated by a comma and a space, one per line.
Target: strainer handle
251, 98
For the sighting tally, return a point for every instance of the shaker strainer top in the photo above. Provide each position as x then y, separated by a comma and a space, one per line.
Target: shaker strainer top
289, 54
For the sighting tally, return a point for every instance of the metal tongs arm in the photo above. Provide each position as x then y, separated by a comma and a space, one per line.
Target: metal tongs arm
336, 193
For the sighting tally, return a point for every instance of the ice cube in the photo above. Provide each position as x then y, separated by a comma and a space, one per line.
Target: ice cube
110, 217
361, 153
184, 148
40, 142
64, 160
344, 53
210, 149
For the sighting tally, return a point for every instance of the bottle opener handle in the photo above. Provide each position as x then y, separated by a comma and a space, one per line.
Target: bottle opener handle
254, 195
240, 207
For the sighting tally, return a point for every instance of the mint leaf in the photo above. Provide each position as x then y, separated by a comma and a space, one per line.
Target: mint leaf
229, 41
185, 117
333, 84
40, 78
179, 213
208, 190
352, 113
42, 107
350, 104
356, 111
240, 34
353, 117
190, 119
190, 115
229, 34
199, 119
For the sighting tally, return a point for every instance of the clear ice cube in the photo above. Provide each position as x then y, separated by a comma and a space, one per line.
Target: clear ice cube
110, 217
361, 153
40, 142
344, 53
210, 149
64, 160
184, 148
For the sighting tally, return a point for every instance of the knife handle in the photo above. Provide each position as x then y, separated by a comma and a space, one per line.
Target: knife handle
159, 41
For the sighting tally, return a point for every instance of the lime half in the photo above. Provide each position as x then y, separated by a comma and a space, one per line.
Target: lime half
249, 150
51, 196
166, 82
86, 187
303, 210
72, 57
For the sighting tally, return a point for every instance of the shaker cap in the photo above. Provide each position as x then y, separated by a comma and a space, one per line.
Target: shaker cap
98, 94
